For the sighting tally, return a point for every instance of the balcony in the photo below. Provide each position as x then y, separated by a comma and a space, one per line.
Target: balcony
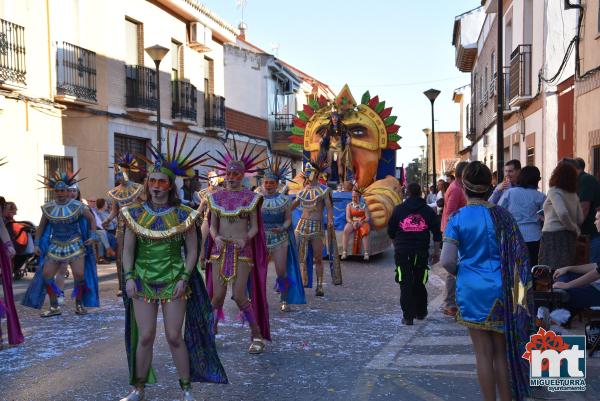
214, 112
520, 75
282, 125
76, 74
283, 122
184, 102
12, 55
506, 107
140, 89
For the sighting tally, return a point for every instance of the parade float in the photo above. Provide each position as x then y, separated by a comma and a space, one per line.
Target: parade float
359, 143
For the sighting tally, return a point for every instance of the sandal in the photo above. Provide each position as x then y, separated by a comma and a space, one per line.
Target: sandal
257, 346
344, 255
366, 256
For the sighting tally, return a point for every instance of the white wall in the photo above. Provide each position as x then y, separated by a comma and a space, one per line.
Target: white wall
246, 80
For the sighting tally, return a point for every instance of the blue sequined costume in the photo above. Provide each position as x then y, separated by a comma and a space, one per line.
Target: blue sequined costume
273, 211
479, 278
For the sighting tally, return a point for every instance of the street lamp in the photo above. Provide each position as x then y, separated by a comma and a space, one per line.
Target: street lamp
423, 182
157, 53
432, 94
426, 131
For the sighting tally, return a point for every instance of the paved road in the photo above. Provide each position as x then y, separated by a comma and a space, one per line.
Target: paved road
347, 346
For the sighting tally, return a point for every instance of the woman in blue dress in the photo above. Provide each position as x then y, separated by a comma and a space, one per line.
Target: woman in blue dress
484, 248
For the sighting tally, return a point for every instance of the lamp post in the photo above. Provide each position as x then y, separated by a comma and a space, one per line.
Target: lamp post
423, 181
157, 53
426, 131
432, 94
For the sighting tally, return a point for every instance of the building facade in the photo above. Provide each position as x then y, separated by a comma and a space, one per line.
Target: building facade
587, 88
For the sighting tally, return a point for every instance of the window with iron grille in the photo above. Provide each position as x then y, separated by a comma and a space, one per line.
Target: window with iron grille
596, 161
52, 164
12, 52
136, 146
531, 156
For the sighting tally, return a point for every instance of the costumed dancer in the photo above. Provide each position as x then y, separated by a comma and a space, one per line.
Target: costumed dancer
64, 236
157, 273
124, 194
213, 181
357, 226
7, 308
237, 249
314, 199
281, 243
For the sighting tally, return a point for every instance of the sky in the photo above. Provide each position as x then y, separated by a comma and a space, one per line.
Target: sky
394, 48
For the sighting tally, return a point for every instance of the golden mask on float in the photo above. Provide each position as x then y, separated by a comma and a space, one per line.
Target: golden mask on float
354, 135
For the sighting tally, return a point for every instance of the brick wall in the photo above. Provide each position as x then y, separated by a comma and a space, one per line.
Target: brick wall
246, 124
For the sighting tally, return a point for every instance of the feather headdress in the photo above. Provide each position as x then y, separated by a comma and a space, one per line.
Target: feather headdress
126, 161
276, 169
173, 163
60, 180
234, 161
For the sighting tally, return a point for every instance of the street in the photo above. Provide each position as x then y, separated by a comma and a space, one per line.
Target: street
346, 346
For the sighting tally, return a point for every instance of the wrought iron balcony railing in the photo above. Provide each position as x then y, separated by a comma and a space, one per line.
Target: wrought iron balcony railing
76, 72
506, 89
184, 101
520, 74
214, 111
283, 122
140, 87
12, 53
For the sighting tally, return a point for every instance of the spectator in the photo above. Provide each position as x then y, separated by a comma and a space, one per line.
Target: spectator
450, 178
581, 282
409, 227
491, 271
186, 193
100, 213
439, 201
524, 201
20, 235
431, 197
511, 173
589, 196
453, 200
562, 217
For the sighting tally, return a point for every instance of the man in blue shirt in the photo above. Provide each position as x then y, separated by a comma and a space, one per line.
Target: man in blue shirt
511, 173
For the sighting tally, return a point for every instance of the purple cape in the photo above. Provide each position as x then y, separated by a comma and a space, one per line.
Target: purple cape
15, 336
258, 278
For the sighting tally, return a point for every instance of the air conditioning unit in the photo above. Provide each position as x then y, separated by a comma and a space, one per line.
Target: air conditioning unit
198, 37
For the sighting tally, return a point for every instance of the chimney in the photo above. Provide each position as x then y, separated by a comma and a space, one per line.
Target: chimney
242, 28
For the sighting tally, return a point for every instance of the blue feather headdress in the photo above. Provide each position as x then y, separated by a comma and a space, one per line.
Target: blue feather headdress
60, 180
276, 169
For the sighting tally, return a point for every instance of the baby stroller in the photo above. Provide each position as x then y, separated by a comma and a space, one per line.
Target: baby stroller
21, 234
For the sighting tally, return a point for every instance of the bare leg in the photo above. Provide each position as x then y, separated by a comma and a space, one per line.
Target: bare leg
317, 247
145, 317
365, 244
280, 261
174, 313
501, 367
77, 267
204, 230
484, 355
60, 276
346, 236
218, 298
240, 296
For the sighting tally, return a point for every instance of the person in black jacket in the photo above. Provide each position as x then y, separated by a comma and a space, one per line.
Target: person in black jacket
410, 227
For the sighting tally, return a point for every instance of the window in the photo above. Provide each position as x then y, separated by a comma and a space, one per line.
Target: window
209, 73
133, 43
136, 146
531, 156
176, 61
493, 64
506, 152
516, 151
53, 164
596, 161
485, 85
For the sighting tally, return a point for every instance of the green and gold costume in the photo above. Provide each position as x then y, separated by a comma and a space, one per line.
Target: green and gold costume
159, 262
